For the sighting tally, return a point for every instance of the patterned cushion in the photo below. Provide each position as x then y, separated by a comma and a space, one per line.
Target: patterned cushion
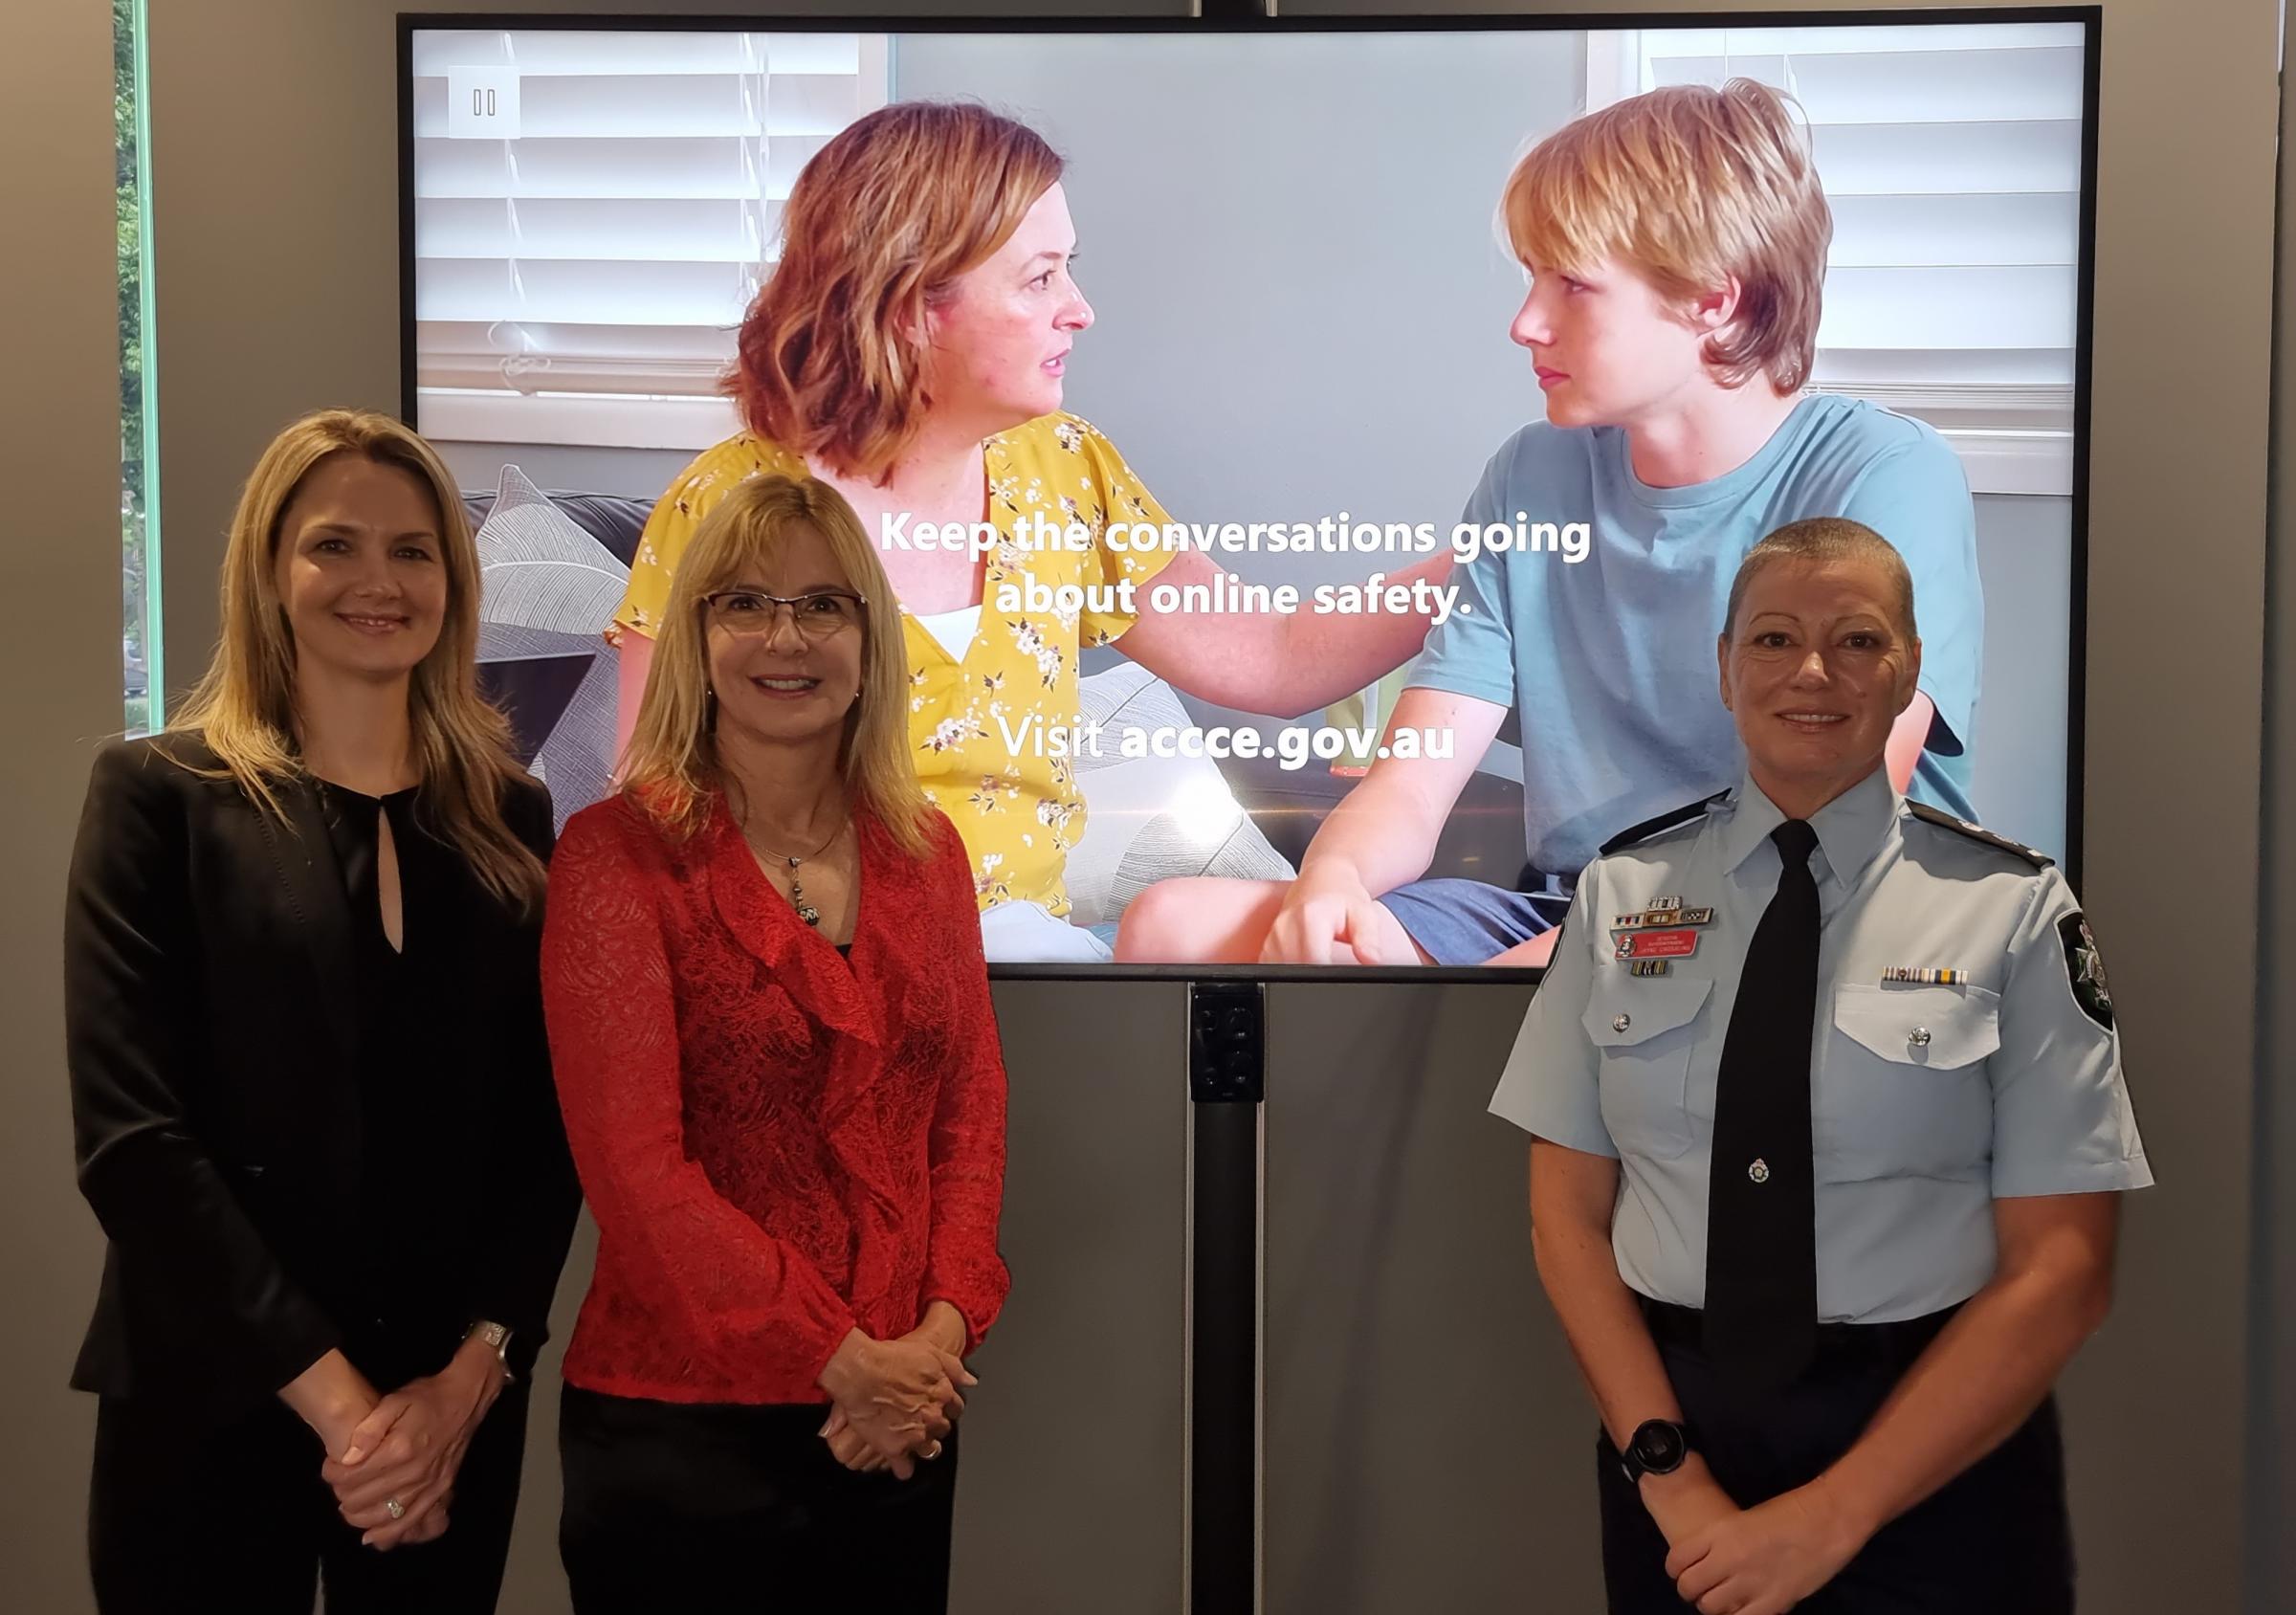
550, 588
1152, 818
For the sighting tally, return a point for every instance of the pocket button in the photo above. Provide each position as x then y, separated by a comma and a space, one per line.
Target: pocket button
1918, 1037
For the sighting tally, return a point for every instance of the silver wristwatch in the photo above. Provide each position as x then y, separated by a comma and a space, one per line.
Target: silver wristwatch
497, 1336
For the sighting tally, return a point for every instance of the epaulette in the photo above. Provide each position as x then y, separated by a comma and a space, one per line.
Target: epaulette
1944, 820
1667, 820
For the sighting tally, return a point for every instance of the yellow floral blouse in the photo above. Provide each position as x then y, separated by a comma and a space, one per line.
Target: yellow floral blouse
1018, 811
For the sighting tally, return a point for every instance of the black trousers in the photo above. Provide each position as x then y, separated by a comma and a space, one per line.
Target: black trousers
710, 1509
1996, 1540
237, 1519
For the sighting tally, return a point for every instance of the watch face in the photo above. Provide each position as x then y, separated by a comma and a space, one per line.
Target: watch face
1658, 1447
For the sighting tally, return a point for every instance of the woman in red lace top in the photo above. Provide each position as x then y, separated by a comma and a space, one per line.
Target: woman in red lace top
771, 1027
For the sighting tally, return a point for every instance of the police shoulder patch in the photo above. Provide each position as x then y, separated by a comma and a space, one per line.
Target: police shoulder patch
1962, 826
2084, 969
1665, 821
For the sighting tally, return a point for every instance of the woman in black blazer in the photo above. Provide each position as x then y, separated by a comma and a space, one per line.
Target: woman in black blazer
310, 1083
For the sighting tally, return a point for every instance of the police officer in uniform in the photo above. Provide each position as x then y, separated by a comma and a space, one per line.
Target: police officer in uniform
1828, 1127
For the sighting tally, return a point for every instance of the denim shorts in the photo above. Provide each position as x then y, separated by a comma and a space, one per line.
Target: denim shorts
1469, 921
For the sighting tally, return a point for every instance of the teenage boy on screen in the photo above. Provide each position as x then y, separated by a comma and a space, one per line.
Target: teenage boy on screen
1676, 244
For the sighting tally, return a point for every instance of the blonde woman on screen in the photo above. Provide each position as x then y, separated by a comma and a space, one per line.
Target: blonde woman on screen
909, 351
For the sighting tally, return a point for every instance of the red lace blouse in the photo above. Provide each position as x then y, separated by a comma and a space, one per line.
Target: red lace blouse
778, 1144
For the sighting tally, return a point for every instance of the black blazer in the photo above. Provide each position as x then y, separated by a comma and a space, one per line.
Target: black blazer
207, 989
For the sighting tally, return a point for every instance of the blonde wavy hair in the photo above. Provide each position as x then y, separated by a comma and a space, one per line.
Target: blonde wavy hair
879, 225
1692, 186
243, 708
672, 768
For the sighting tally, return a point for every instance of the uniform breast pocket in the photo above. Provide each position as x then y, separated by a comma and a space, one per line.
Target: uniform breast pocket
1906, 1088
1644, 1026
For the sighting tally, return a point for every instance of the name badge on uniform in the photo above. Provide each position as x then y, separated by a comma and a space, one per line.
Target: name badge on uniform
1645, 941
1678, 942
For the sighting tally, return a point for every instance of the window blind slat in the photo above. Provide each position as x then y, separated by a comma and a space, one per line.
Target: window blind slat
678, 166
608, 347
542, 372
808, 52
2019, 306
2014, 368
1939, 86
661, 106
541, 52
638, 106
1905, 87
1948, 158
1879, 231
591, 291
1716, 71
1841, 42
651, 361
475, 415
714, 229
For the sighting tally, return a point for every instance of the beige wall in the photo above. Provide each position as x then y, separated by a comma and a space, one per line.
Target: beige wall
59, 457
275, 168
2272, 1431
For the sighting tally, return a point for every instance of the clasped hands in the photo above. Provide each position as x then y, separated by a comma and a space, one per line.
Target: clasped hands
405, 1447
1762, 1561
892, 1401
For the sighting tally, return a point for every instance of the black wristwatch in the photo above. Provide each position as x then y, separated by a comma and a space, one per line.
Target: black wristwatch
1657, 1446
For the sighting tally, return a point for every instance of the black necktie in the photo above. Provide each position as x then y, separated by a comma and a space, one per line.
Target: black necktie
1761, 1231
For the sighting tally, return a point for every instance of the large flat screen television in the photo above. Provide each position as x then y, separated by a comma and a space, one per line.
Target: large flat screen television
1326, 380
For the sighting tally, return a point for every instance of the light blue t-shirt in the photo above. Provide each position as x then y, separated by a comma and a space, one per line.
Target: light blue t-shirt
1609, 661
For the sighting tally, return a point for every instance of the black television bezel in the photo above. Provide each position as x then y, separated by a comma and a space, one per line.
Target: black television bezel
2091, 17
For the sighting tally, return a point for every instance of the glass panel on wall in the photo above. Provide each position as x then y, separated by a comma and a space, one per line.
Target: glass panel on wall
138, 444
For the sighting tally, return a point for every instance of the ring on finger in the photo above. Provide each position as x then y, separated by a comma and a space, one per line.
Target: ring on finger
395, 1508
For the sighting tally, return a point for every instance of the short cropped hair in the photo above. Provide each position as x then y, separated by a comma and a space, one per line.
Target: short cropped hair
1816, 541
1691, 186
879, 225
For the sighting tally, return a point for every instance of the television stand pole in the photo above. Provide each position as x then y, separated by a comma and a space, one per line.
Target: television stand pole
1226, 1083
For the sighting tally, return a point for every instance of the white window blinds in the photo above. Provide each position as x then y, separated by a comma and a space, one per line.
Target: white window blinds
580, 281
1951, 155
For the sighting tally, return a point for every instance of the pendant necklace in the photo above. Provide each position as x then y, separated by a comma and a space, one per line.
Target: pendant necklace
805, 911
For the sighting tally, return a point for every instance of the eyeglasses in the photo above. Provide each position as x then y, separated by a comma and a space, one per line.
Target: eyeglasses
817, 615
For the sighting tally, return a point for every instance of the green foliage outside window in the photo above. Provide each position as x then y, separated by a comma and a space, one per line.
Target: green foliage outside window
139, 522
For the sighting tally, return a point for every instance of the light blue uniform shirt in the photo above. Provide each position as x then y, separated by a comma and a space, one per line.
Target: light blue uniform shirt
1928, 1100
1609, 661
